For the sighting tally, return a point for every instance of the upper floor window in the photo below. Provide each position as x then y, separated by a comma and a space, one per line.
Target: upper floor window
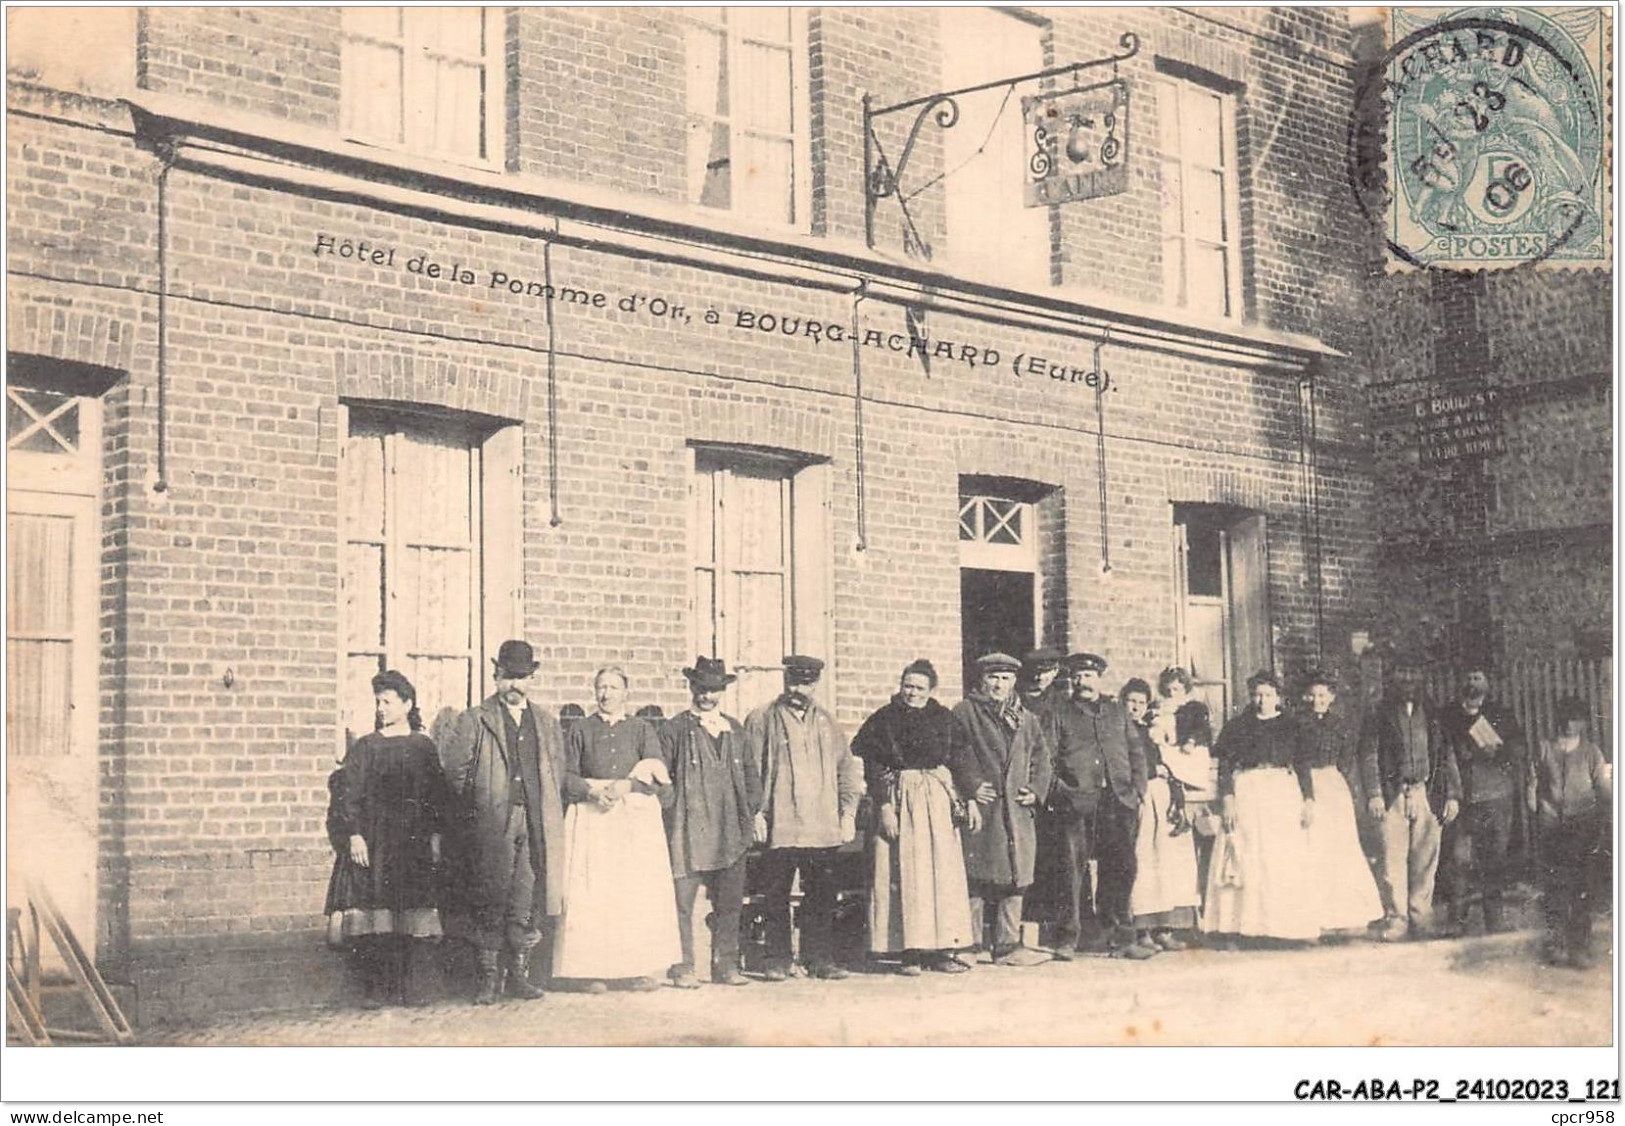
746, 121
992, 234
1201, 244
425, 79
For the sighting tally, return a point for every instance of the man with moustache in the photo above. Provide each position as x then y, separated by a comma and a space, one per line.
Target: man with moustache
713, 819
1488, 747
1094, 801
1412, 787
1006, 767
504, 849
811, 786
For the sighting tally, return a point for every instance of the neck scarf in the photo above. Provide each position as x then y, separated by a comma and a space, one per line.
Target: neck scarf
714, 722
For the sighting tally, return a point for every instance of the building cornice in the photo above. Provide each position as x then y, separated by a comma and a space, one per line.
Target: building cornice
256, 148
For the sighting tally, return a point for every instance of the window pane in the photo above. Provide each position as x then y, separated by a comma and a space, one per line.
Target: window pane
442, 682
758, 619
707, 71
39, 562
432, 485
456, 31
1003, 522
453, 111
1167, 117
1173, 216
762, 23
1207, 205
765, 73
1201, 136
363, 592
709, 170
434, 615
1173, 271
39, 687
1204, 565
1207, 284
381, 23
362, 490
371, 84
754, 510
766, 190
701, 520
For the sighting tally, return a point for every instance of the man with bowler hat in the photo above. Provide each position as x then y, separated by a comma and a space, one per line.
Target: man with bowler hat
811, 784
1094, 802
504, 851
710, 824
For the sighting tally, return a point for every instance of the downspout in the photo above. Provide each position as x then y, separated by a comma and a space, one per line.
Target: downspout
858, 296
166, 149
1310, 502
554, 518
1100, 463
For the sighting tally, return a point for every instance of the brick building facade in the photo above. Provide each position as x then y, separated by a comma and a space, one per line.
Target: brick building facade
569, 329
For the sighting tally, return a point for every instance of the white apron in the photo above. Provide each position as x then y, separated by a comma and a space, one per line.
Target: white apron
1348, 893
1165, 872
1274, 896
620, 912
919, 899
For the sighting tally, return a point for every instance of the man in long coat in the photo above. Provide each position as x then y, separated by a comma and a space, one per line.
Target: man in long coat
504, 844
1005, 758
811, 786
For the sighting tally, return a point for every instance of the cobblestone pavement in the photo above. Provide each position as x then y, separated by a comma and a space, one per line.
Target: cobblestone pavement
1473, 991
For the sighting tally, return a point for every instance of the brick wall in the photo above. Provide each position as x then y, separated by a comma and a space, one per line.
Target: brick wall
213, 794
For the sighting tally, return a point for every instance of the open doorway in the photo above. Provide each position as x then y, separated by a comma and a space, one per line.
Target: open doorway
1001, 585
996, 612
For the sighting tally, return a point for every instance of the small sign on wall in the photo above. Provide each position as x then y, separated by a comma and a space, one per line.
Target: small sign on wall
1077, 143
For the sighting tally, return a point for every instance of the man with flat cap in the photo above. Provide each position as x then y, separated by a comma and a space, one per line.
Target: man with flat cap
811, 785
1094, 803
504, 761
1005, 761
1039, 683
711, 822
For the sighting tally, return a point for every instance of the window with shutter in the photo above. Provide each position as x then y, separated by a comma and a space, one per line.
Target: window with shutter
426, 79
1201, 243
423, 499
759, 542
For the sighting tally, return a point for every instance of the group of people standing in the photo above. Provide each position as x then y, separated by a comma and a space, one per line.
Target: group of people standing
1038, 796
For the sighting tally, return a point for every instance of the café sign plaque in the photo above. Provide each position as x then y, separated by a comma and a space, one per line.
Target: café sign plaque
1077, 143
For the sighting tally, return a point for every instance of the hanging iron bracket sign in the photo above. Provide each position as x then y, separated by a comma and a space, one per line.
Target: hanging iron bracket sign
883, 177
1079, 142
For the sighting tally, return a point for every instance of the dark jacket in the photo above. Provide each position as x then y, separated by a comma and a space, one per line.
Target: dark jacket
1095, 750
479, 764
1002, 852
1382, 756
1493, 774
898, 738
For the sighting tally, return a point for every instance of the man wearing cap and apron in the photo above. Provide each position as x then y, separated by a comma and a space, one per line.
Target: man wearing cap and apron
504, 850
811, 785
1007, 757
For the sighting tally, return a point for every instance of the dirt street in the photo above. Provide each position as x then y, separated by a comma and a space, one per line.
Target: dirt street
1474, 991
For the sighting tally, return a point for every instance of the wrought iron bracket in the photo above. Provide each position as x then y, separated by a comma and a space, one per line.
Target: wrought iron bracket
883, 177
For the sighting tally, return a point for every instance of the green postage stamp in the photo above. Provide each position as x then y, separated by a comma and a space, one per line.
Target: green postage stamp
1497, 125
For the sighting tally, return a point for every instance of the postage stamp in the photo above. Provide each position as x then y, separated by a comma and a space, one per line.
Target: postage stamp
1495, 125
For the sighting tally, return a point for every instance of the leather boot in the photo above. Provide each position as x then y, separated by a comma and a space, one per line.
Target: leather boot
519, 983
490, 978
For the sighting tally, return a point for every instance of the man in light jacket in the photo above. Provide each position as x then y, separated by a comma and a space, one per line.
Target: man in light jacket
504, 848
811, 785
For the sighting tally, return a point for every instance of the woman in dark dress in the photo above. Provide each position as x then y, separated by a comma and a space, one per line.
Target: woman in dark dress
919, 905
387, 803
1261, 879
